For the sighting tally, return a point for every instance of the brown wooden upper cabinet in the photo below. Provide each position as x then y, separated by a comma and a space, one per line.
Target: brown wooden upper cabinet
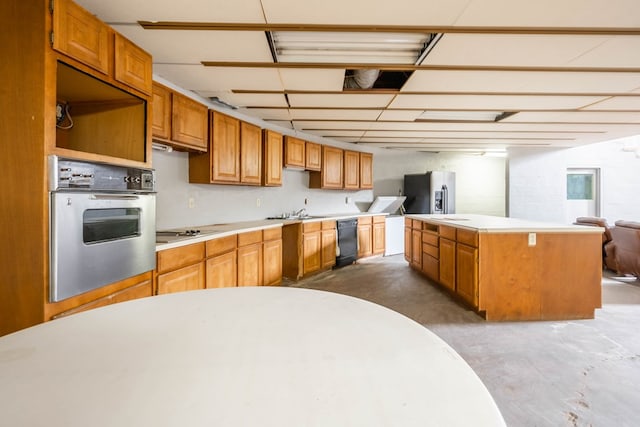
313, 156
250, 154
235, 153
366, 170
178, 120
80, 35
351, 170
331, 173
294, 152
271, 158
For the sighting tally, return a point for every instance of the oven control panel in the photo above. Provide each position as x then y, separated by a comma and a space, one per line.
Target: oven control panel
77, 175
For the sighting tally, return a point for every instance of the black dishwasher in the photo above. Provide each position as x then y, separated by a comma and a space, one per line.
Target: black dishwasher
347, 241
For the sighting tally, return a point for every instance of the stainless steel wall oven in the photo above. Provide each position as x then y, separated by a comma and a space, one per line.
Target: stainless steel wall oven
102, 225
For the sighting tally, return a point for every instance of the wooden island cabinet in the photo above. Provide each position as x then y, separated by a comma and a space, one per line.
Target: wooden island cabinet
508, 269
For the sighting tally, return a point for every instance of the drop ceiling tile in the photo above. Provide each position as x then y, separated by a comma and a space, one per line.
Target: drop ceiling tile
574, 117
447, 135
271, 114
338, 12
319, 125
192, 47
551, 13
313, 114
614, 52
312, 79
399, 139
247, 11
199, 77
521, 81
340, 100
400, 115
492, 102
617, 103
247, 99
337, 133
282, 124
510, 49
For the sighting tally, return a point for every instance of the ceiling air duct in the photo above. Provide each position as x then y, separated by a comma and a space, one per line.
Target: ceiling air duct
361, 79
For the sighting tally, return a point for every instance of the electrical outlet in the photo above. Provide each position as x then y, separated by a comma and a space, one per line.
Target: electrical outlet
191, 203
258, 202
306, 201
532, 239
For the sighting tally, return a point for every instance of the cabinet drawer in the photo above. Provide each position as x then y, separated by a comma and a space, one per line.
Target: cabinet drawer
249, 238
430, 238
222, 245
431, 267
272, 234
468, 237
365, 220
308, 227
430, 250
328, 225
447, 232
417, 224
172, 259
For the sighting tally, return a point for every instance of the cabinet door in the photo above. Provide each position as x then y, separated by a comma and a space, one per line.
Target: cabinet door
311, 252
351, 170
331, 174
430, 266
189, 122
81, 35
407, 244
222, 271
378, 244
250, 154
416, 248
328, 238
467, 273
184, 279
366, 170
294, 152
272, 262
313, 156
364, 240
272, 159
250, 265
132, 65
225, 148
161, 119
448, 263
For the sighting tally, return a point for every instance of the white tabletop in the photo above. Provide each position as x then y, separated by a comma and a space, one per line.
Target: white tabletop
238, 357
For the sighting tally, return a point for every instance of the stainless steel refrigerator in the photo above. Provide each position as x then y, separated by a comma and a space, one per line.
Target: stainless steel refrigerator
433, 192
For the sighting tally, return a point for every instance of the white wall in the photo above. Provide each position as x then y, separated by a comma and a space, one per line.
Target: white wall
480, 189
537, 180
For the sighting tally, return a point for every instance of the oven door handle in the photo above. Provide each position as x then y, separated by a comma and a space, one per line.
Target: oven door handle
113, 197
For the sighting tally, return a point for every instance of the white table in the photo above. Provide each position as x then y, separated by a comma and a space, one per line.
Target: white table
238, 357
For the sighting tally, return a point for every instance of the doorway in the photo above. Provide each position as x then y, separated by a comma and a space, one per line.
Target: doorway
583, 193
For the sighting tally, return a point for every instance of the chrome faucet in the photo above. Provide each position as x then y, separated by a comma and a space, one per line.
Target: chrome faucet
301, 212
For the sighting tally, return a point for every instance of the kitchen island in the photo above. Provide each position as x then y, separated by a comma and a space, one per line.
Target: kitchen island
507, 268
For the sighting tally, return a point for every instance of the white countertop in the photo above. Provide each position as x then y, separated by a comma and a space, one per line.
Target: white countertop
496, 224
215, 231
255, 356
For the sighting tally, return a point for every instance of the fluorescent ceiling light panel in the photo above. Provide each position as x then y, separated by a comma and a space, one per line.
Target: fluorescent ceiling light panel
349, 47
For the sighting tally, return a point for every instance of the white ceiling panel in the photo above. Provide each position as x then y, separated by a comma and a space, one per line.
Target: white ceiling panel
248, 99
308, 124
198, 77
306, 114
615, 52
512, 49
282, 124
340, 100
620, 103
372, 12
574, 117
337, 133
119, 11
312, 79
391, 139
271, 114
521, 81
475, 134
192, 47
400, 115
492, 102
551, 13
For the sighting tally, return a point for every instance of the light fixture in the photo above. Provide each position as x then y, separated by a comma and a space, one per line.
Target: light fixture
349, 47
161, 147
462, 116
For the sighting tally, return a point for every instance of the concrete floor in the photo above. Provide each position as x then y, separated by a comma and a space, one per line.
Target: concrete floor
560, 373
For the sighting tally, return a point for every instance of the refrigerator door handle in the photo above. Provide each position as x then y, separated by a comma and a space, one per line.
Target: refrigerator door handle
445, 199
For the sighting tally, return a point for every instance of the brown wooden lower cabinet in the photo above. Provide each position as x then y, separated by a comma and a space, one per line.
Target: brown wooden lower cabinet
448, 263
272, 262
328, 238
250, 265
467, 273
184, 279
378, 243
222, 270
311, 250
